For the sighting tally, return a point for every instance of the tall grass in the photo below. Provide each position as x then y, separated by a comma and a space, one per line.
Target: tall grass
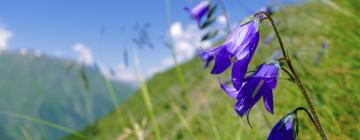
146, 96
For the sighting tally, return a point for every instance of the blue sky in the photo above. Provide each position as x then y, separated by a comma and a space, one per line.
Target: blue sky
104, 26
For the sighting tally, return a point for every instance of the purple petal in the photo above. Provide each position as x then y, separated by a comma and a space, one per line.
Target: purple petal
283, 131
230, 90
238, 72
249, 95
268, 72
268, 101
208, 55
222, 61
199, 10
243, 40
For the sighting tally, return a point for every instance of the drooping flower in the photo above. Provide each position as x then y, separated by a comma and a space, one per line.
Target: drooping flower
259, 84
238, 48
199, 10
285, 129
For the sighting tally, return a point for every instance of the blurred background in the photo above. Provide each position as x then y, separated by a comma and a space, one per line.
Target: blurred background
130, 69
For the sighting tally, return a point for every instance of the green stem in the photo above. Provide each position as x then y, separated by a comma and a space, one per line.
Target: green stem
146, 96
297, 80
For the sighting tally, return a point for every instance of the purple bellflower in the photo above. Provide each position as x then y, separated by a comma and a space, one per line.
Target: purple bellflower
199, 10
285, 129
259, 84
238, 48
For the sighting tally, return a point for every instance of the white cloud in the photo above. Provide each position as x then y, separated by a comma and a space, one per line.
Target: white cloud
185, 40
5, 36
222, 20
176, 30
126, 74
85, 55
121, 73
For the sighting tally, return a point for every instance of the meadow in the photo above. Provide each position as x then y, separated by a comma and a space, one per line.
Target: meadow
196, 107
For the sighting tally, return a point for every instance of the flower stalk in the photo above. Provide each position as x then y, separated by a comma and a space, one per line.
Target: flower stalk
297, 80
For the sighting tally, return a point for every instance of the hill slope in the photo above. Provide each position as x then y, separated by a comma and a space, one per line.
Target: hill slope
333, 85
43, 88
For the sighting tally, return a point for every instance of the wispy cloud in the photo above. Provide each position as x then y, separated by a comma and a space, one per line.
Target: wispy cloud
185, 42
85, 55
121, 73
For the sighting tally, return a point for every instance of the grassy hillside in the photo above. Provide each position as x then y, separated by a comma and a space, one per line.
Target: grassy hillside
42, 87
332, 83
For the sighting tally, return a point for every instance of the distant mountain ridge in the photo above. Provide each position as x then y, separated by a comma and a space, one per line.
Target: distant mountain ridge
43, 87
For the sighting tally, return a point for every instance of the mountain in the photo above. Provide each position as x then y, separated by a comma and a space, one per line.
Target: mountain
49, 89
330, 75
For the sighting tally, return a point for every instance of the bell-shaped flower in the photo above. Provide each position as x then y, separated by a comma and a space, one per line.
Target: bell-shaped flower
238, 48
285, 129
199, 10
259, 84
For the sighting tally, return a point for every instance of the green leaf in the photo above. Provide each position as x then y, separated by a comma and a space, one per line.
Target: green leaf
207, 23
209, 35
211, 11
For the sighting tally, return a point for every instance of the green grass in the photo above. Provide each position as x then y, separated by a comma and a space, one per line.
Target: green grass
333, 86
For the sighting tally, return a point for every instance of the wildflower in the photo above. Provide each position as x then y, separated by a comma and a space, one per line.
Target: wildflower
199, 11
239, 48
259, 84
285, 129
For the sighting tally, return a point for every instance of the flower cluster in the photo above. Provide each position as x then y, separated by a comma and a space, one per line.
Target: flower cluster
248, 87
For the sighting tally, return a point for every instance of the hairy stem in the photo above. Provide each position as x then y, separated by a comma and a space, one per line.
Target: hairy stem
297, 80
